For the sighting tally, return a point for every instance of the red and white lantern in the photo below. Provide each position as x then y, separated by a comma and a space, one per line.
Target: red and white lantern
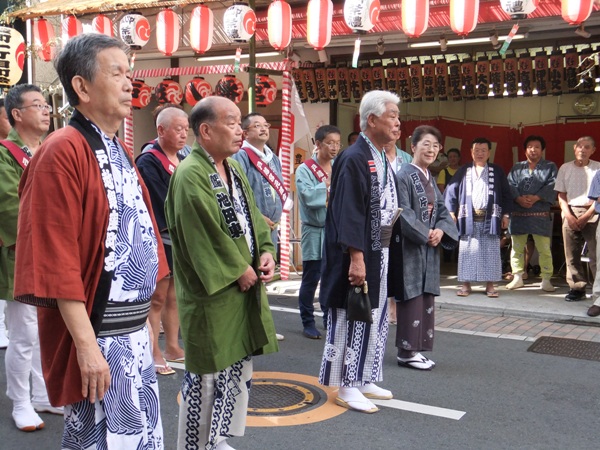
265, 89
71, 27
201, 29
230, 87
463, 16
415, 17
239, 22
141, 94
43, 38
361, 15
319, 17
12, 56
168, 91
167, 31
196, 89
134, 30
518, 9
103, 25
576, 11
280, 24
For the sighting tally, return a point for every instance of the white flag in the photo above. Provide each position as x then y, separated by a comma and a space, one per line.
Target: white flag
301, 127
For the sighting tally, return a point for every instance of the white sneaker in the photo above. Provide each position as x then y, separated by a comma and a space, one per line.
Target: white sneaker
26, 419
48, 408
516, 282
546, 285
280, 337
3, 339
373, 391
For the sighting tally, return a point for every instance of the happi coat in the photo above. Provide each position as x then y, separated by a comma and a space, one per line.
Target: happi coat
220, 325
10, 175
312, 204
458, 199
60, 248
353, 220
415, 266
539, 182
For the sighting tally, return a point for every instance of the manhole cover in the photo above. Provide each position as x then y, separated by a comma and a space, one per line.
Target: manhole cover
571, 348
282, 397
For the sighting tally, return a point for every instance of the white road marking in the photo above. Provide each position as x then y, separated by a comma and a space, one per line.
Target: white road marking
421, 409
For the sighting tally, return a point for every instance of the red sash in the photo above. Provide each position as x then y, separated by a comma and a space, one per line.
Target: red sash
20, 156
167, 165
316, 169
271, 177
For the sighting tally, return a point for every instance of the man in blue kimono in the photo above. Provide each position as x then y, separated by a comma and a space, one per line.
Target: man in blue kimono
312, 186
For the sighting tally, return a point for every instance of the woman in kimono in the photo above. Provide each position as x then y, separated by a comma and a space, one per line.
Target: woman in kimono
479, 200
414, 271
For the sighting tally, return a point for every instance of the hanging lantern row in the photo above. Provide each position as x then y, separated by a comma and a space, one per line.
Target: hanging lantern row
169, 91
465, 79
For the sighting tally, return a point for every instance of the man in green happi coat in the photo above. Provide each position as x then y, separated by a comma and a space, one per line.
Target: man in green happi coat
222, 255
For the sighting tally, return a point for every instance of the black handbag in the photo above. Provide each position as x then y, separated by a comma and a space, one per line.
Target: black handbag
359, 305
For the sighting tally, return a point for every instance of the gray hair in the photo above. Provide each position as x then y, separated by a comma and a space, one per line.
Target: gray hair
374, 102
79, 57
166, 116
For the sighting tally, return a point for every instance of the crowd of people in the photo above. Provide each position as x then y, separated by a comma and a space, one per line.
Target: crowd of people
99, 251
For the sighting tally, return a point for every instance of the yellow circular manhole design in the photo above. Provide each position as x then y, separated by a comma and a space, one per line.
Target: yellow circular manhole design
299, 405
280, 397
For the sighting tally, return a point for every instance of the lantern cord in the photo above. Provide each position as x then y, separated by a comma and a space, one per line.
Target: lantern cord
132, 61
356, 53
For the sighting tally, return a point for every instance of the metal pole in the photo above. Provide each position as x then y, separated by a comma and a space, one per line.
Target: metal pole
252, 68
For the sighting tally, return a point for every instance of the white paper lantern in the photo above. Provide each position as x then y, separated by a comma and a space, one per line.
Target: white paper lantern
361, 15
12, 56
135, 30
239, 22
518, 9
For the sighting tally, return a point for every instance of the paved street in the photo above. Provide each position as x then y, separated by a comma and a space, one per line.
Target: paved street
487, 391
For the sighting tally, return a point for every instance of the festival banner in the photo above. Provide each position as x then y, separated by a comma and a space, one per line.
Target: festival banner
557, 72
429, 80
482, 68
525, 78
497, 76
541, 73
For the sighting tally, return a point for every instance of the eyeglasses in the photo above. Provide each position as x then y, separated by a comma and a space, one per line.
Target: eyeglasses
333, 144
39, 106
259, 126
427, 144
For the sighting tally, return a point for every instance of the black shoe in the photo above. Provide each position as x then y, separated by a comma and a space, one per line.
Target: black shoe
593, 311
311, 332
574, 295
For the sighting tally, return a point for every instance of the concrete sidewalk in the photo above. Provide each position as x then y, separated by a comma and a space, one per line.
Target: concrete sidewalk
527, 302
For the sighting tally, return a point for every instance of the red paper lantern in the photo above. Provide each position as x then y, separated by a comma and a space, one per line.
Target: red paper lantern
415, 17
463, 16
230, 87
43, 36
167, 31
280, 24
319, 17
71, 27
103, 25
266, 90
141, 94
135, 30
13, 56
239, 22
576, 11
197, 89
201, 29
361, 15
168, 91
